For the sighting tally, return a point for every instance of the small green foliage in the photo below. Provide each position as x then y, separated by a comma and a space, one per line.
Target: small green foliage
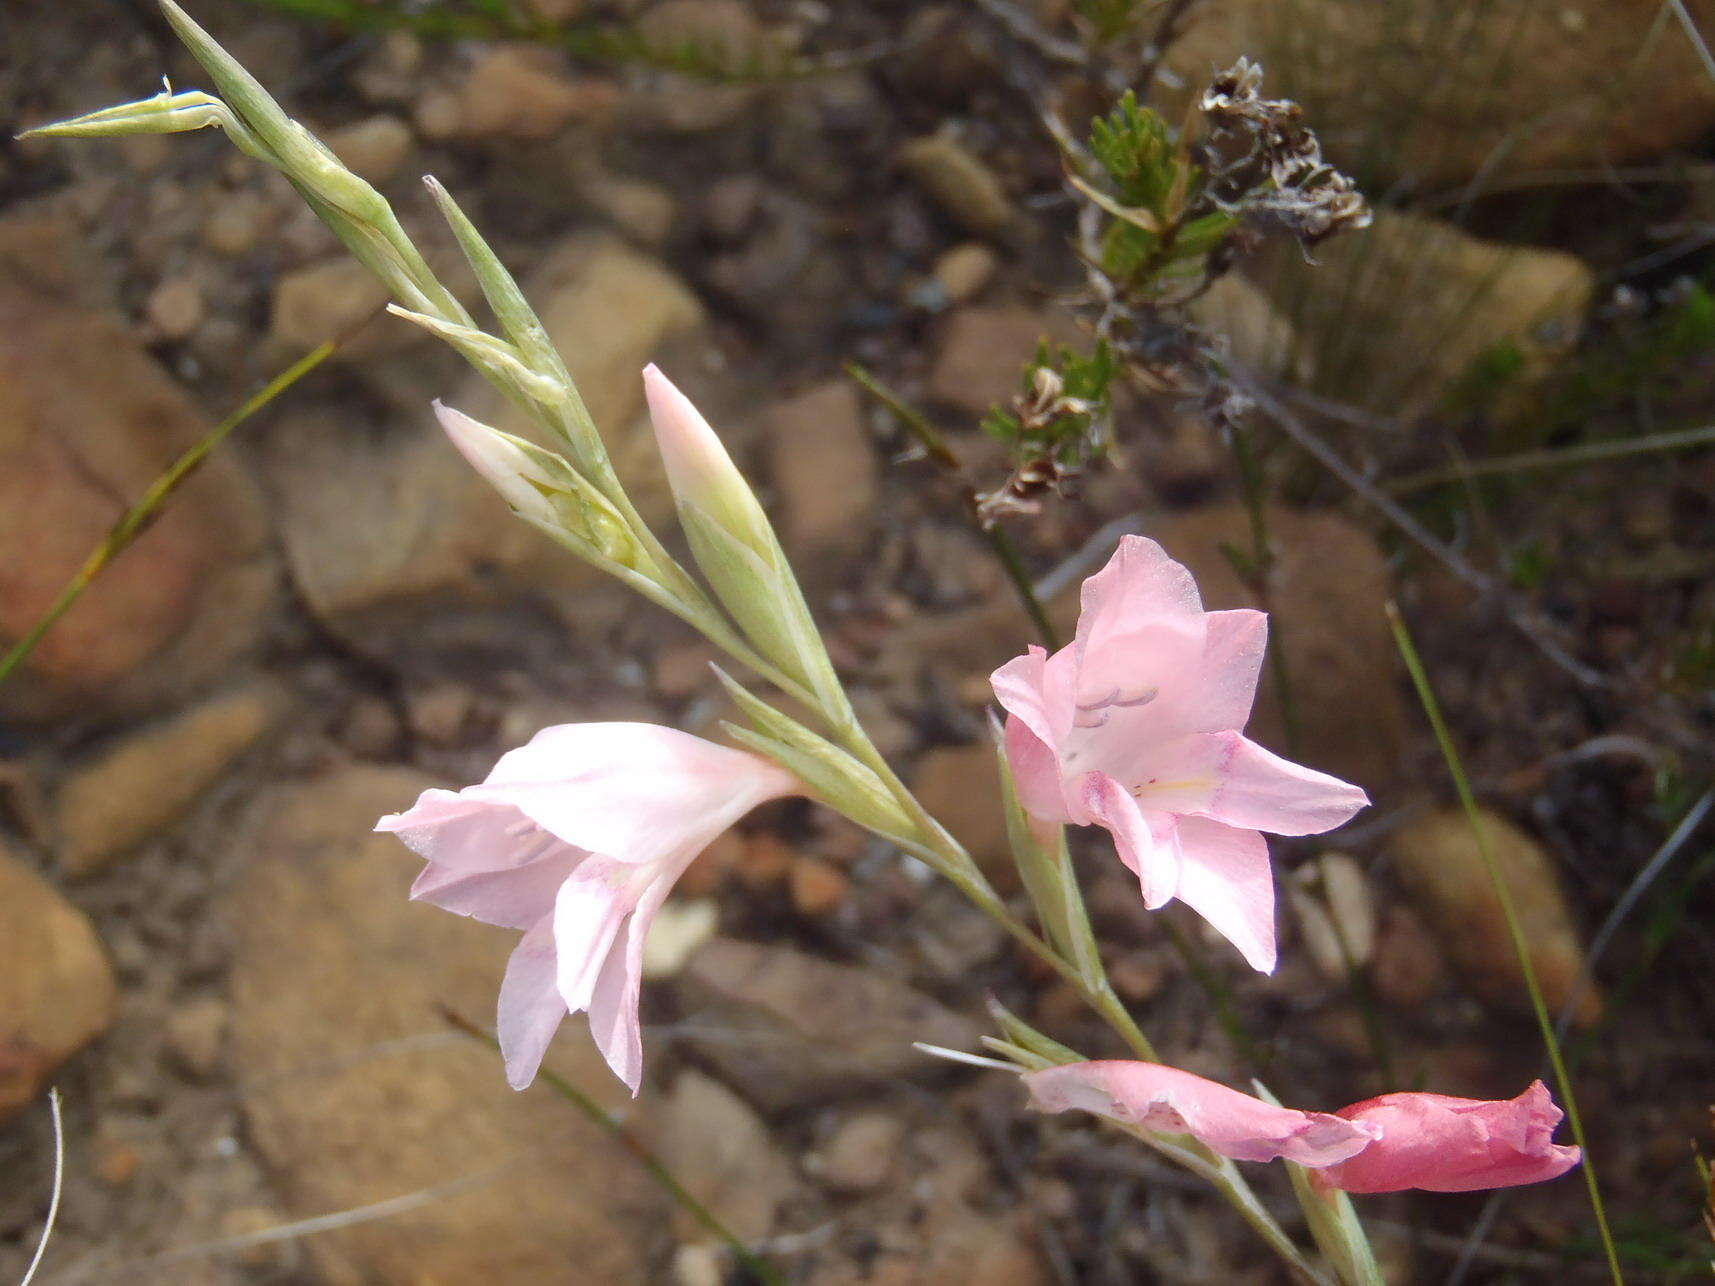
1132, 146
1161, 227
1063, 395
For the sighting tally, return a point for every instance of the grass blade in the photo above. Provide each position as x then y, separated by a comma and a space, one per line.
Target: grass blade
1468, 801
136, 520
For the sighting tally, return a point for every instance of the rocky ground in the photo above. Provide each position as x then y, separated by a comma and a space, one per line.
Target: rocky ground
201, 944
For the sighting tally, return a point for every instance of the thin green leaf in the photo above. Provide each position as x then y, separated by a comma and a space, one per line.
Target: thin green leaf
1521, 948
135, 520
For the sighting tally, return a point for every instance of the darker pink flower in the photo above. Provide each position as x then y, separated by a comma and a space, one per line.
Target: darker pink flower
1151, 1097
576, 839
1443, 1144
1385, 1144
1136, 725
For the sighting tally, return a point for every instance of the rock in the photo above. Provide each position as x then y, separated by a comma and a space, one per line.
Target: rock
438, 115
818, 887
1437, 860
56, 987
337, 299
825, 471
960, 182
722, 33
1471, 301
642, 210
521, 92
1408, 968
681, 926
1325, 593
141, 784
960, 786
237, 222
87, 422
945, 1224
796, 1029
983, 351
717, 1146
862, 1153
391, 70
440, 713
196, 1033
965, 271
335, 979
1437, 103
174, 308
1336, 913
373, 148
730, 204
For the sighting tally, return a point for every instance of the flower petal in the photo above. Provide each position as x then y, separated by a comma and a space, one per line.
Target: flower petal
1021, 688
1261, 791
1225, 877
514, 898
1233, 647
1152, 1097
634, 792
1035, 773
1443, 1144
1110, 806
530, 1005
589, 912
448, 828
614, 1021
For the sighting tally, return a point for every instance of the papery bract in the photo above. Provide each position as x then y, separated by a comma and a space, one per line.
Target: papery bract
1135, 726
1443, 1144
576, 838
1152, 1097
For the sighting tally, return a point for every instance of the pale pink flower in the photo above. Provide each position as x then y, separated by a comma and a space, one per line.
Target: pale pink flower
1135, 726
1385, 1144
576, 838
1443, 1144
1151, 1097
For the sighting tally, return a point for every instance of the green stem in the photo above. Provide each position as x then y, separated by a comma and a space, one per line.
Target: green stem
1521, 948
758, 1268
137, 519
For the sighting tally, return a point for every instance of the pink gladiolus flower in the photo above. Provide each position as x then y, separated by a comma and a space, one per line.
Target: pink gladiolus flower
1153, 1097
1385, 1144
576, 839
1443, 1144
1136, 727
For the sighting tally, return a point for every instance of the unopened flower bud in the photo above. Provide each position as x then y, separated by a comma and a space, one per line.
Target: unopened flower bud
699, 470
499, 458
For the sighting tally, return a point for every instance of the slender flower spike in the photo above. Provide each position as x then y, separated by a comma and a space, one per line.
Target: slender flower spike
1148, 1096
1387, 1144
576, 839
1136, 726
1443, 1144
